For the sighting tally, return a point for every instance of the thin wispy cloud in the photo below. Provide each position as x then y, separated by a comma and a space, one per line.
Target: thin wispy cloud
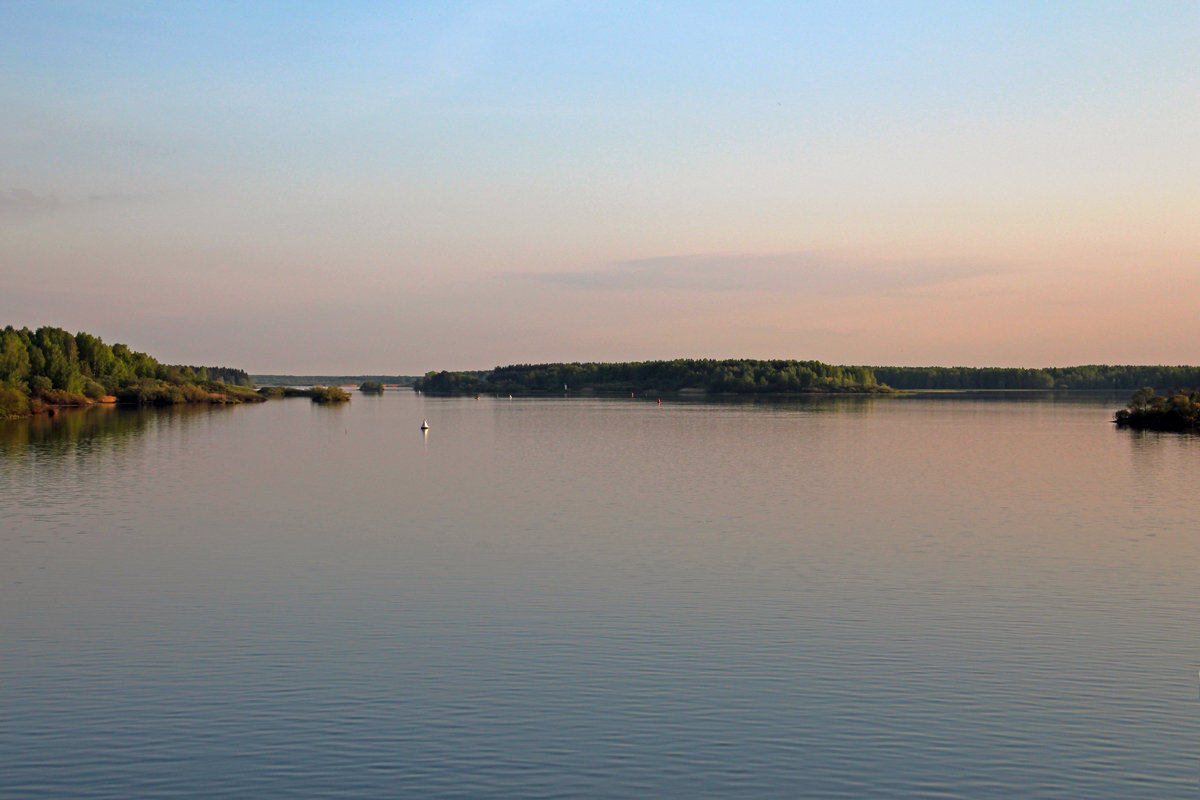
24, 201
811, 272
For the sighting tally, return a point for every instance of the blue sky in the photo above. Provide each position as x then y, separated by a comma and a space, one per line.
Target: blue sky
393, 188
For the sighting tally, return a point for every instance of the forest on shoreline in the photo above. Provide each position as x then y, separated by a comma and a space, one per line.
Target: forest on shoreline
1089, 377
733, 376
750, 376
50, 367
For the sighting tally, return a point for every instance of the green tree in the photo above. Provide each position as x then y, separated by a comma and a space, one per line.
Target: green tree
14, 358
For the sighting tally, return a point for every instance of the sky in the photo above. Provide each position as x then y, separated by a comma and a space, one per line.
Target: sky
392, 188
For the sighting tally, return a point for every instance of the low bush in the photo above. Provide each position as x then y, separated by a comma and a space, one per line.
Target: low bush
329, 394
13, 403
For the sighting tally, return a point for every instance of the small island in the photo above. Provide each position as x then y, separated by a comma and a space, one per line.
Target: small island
1149, 411
329, 394
50, 368
318, 394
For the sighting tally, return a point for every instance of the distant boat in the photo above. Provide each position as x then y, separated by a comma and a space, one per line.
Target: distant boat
425, 425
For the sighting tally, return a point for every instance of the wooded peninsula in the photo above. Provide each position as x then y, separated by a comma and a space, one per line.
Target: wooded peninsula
49, 367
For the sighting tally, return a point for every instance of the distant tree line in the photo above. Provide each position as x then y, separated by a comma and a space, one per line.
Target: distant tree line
228, 375
453, 382
738, 376
748, 376
51, 366
330, 380
1092, 376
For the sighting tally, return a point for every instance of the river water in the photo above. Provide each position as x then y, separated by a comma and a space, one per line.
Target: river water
603, 598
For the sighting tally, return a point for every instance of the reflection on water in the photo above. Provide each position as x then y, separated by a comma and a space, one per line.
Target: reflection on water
108, 423
834, 597
67, 425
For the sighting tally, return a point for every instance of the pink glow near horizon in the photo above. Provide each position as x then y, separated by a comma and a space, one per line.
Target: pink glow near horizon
375, 192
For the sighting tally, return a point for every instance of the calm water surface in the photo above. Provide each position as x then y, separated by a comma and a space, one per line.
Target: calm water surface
896, 598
